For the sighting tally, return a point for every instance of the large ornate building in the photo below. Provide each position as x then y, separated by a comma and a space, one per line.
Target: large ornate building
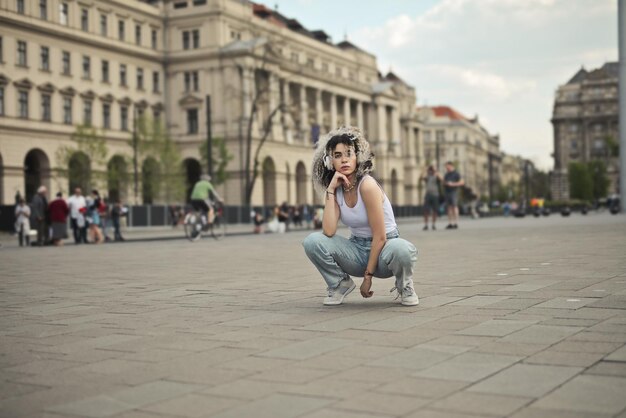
106, 62
450, 136
585, 122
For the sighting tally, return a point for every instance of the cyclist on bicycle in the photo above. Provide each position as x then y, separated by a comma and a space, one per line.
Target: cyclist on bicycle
201, 198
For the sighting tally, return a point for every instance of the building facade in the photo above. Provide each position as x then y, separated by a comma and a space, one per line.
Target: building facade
450, 136
273, 87
585, 123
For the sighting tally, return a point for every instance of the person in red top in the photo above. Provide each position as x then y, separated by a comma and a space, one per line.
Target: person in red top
58, 211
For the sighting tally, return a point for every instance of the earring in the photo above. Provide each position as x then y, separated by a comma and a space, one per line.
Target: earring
327, 163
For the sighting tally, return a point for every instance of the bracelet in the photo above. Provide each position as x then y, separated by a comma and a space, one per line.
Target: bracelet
367, 273
330, 192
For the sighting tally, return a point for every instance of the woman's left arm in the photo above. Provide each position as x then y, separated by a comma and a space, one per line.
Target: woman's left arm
373, 198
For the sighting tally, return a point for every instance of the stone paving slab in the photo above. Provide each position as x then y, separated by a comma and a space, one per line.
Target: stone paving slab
509, 325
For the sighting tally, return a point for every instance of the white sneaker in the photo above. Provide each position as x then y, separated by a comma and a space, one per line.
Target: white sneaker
407, 296
336, 296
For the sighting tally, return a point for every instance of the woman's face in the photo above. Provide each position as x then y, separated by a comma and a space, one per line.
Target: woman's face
344, 159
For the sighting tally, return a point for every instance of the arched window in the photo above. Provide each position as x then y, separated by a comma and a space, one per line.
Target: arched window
301, 182
193, 171
117, 178
79, 172
36, 172
269, 182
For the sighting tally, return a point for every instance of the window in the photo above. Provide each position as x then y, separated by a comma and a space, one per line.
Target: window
84, 20
43, 9
121, 30
23, 104
105, 71
45, 58
196, 38
294, 56
20, 6
192, 121
106, 116
87, 106
155, 81
46, 114
104, 25
124, 118
191, 81
1, 50
140, 78
426, 136
21, 53
66, 63
156, 114
186, 39
310, 62
86, 67
180, 5
324, 67
153, 39
574, 145
1, 101
63, 13
199, 2
138, 34
338, 71
67, 110
123, 74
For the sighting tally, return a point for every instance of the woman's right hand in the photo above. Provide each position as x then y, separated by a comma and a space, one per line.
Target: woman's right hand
338, 180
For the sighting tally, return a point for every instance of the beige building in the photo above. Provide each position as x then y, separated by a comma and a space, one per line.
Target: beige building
104, 62
585, 122
450, 136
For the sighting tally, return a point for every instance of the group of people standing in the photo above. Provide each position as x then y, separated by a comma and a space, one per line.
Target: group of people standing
88, 218
442, 190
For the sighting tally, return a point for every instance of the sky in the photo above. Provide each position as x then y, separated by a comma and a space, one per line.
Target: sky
499, 59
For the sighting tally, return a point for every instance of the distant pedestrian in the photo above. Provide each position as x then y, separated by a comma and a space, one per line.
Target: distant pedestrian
432, 180
58, 211
78, 207
283, 217
258, 222
22, 222
39, 207
452, 182
93, 217
117, 211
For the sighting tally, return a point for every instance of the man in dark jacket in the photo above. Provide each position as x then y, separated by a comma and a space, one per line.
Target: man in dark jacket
39, 207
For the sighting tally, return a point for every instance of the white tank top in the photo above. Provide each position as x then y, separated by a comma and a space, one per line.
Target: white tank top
356, 218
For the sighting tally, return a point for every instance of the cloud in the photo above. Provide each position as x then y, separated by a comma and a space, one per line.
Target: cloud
501, 59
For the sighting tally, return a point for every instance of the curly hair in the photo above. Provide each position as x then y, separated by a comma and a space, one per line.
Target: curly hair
347, 135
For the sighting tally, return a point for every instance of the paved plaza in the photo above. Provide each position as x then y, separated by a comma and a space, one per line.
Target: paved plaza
517, 318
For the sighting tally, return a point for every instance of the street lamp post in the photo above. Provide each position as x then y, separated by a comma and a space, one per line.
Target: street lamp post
209, 139
621, 21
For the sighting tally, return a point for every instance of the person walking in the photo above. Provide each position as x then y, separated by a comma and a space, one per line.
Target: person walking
341, 171
39, 207
77, 205
452, 182
93, 216
58, 211
432, 180
117, 211
22, 222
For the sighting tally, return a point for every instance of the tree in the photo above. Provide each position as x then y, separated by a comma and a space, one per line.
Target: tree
220, 159
580, 181
168, 179
600, 181
540, 184
259, 97
89, 151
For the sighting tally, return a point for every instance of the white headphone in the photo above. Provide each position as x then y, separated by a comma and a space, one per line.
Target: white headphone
328, 163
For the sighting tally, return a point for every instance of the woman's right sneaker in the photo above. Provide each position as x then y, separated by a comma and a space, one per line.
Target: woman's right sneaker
336, 296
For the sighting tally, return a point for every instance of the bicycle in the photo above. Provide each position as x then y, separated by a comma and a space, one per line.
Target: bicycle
194, 227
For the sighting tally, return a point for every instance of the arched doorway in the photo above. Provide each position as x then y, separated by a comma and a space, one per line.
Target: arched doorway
301, 184
117, 178
193, 171
79, 172
150, 176
394, 187
36, 172
269, 182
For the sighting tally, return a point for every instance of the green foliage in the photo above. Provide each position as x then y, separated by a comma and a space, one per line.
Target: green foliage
601, 182
613, 146
540, 184
80, 162
580, 181
220, 158
166, 179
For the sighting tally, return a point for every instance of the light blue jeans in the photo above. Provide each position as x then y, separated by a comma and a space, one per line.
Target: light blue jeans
336, 256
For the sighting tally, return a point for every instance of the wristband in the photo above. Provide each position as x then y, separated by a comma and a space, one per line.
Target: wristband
330, 192
367, 273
